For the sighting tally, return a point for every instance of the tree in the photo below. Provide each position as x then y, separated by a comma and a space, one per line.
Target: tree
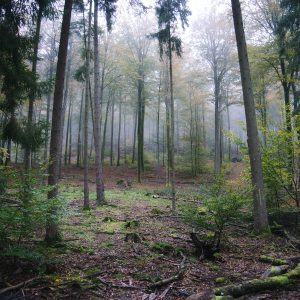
109, 7
52, 230
215, 45
167, 12
260, 209
45, 9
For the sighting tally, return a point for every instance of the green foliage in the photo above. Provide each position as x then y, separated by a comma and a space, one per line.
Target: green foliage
24, 205
167, 12
222, 204
280, 167
22, 253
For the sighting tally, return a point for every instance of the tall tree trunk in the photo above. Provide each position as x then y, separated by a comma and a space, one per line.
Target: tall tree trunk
172, 127
27, 157
217, 160
98, 116
157, 129
86, 194
260, 209
105, 129
70, 138
140, 125
163, 146
134, 135
125, 141
119, 134
78, 161
112, 131
228, 128
52, 230
68, 132
203, 126
49, 96
65, 101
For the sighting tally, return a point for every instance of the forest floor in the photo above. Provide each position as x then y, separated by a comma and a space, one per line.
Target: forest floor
95, 261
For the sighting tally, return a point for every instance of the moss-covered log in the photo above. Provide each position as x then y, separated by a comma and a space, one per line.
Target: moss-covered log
273, 261
276, 270
258, 285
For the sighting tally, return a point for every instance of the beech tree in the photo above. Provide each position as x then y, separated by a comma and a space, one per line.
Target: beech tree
260, 208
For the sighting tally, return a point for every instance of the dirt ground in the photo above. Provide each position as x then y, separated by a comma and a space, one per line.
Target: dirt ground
97, 259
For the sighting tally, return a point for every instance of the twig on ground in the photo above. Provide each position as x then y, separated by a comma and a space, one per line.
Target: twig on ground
176, 277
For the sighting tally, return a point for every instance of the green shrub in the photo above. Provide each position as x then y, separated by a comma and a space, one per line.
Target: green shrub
222, 203
24, 205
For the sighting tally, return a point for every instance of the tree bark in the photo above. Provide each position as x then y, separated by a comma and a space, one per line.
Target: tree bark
49, 96
172, 127
134, 136
52, 230
104, 129
119, 134
27, 156
78, 161
112, 131
86, 194
260, 209
97, 110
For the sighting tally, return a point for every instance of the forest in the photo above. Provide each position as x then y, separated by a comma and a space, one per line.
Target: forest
149, 149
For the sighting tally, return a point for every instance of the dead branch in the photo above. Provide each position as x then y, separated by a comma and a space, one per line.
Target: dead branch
26, 283
176, 277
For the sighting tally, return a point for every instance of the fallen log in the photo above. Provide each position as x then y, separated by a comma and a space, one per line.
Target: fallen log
273, 261
258, 285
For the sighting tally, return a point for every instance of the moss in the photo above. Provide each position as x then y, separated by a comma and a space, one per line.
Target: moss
252, 286
107, 244
295, 273
156, 211
162, 247
220, 280
91, 271
272, 260
132, 224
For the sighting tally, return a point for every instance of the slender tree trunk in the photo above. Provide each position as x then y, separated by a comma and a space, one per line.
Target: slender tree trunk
27, 157
65, 101
228, 128
140, 129
192, 136
172, 127
125, 142
104, 130
78, 161
203, 126
17, 152
67, 133
70, 138
86, 194
134, 136
217, 160
119, 134
157, 129
52, 231
49, 96
163, 146
98, 116
112, 131
260, 209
